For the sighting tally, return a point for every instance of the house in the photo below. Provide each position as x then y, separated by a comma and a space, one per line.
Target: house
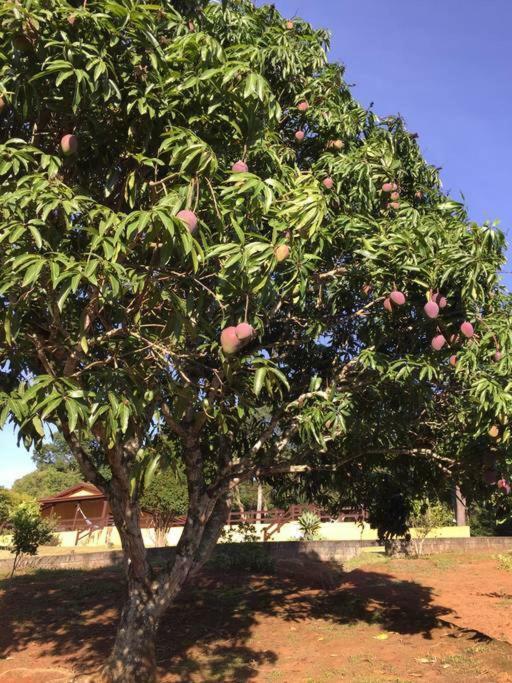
77, 507
82, 516
82, 509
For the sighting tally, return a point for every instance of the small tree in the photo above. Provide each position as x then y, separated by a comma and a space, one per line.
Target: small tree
29, 531
424, 519
165, 498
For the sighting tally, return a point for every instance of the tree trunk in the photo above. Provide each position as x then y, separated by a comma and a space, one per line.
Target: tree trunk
259, 503
460, 507
132, 659
160, 536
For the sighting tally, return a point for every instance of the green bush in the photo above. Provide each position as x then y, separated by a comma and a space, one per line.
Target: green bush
310, 525
29, 531
424, 518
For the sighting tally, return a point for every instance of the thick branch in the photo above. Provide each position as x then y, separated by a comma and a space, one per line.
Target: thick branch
87, 466
171, 422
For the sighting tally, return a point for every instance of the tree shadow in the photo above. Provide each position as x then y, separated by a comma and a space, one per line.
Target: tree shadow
70, 615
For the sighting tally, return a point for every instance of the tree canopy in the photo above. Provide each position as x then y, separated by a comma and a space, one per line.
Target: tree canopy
205, 237
46, 482
56, 469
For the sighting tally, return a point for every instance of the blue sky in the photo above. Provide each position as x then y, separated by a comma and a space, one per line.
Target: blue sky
444, 65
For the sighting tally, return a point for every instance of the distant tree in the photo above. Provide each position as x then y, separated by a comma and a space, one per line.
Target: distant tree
165, 498
46, 482
57, 469
5, 505
29, 531
55, 453
491, 515
8, 501
245, 496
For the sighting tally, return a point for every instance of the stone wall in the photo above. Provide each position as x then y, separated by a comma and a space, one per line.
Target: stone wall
335, 552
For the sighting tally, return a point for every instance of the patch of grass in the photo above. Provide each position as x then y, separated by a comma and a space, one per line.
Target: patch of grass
328, 675
365, 558
505, 561
443, 562
465, 662
334, 674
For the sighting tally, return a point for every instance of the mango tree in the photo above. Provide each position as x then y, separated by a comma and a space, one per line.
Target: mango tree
204, 236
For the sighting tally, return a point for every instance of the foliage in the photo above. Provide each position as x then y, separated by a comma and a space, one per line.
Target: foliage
112, 309
243, 532
482, 520
165, 499
5, 505
309, 525
29, 530
81, 233
246, 495
425, 517
54, 453
46, 482
491, 515
8, 501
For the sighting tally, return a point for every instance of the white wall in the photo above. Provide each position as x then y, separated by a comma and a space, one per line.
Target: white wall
329, 531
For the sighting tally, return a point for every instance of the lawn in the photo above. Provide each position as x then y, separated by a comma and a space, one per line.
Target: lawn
446, 618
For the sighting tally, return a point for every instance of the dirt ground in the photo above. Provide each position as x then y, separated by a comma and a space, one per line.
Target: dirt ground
446, 618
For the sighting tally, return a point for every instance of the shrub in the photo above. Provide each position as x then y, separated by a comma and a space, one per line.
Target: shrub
424, 518
29, 531
310, 525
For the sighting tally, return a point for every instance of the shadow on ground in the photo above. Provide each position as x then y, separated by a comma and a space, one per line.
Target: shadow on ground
71, 615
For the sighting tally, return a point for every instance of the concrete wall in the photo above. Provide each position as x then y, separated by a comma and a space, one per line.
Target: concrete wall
329, 531
322, 551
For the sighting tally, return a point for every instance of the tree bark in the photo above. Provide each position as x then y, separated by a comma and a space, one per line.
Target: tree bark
460, 506
133, 657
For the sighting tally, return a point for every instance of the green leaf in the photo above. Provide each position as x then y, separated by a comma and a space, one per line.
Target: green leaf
38, 425
259, 379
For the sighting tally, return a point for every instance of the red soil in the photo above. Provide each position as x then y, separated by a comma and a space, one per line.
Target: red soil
442, 619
